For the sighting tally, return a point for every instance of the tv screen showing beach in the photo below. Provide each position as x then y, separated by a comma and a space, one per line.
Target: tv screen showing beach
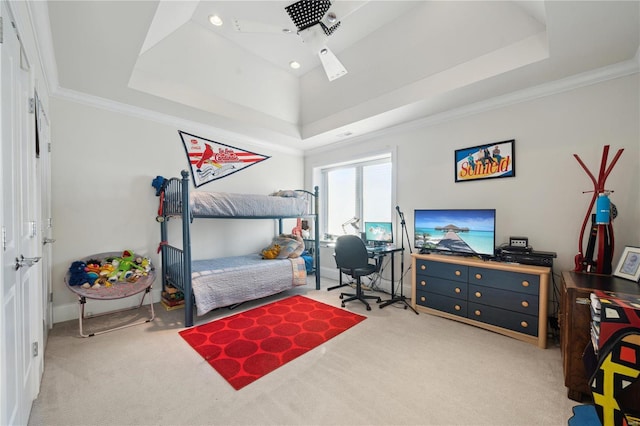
469, 232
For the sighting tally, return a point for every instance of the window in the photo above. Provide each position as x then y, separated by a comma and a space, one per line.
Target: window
356, 192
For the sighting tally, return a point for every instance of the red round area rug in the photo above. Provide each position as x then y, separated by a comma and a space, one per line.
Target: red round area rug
246, 346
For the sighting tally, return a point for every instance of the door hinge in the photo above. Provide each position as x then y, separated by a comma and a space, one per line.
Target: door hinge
49, 146
33, 229
1, 32
32, 105
34, 349
4, 238
51, 297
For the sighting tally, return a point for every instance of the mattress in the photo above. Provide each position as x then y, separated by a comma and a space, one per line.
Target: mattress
222, 204
226, 281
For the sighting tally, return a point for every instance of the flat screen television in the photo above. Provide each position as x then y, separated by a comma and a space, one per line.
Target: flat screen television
469, 232
378, 233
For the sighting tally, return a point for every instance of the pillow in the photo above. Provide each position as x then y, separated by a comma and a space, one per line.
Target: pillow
290, 245
289, 193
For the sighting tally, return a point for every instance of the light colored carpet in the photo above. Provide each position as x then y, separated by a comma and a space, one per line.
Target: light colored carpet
394, 368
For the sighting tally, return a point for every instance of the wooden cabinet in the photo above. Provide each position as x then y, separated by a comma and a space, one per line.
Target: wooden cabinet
574, 320
505, 298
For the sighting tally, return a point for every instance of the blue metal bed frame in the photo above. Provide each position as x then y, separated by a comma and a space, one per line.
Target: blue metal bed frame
176, 204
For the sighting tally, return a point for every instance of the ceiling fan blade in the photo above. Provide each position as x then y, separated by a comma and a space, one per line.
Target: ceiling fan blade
244, 26
332, 65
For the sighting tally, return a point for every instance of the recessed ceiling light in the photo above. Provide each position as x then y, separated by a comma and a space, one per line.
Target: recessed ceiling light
286, 30
215, 20
324, 51
294, 64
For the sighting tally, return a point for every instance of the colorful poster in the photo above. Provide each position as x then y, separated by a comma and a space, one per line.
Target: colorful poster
210, 160
495, 160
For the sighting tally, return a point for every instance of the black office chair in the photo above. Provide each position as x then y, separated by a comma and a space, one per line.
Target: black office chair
352, 259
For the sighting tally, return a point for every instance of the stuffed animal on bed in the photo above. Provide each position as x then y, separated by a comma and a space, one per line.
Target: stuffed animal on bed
271, 252
284, 246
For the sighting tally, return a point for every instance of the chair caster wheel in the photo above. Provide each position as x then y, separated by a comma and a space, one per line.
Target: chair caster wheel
368, 308
342, 305
342, 296
379, 300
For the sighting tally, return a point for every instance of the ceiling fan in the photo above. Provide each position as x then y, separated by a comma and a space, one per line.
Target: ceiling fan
315, 21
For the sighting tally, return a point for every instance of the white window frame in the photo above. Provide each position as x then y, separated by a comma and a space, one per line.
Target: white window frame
320, 176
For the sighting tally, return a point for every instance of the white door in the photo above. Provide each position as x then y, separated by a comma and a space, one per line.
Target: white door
19, 302
45, 219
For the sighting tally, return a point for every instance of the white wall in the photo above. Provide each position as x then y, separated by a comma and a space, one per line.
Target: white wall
545, 200
103, 165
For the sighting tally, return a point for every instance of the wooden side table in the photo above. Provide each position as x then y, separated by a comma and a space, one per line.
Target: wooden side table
119, 290
575, 320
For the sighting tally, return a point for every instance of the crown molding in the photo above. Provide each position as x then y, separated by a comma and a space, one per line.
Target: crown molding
167, 119
611, 72
39, 21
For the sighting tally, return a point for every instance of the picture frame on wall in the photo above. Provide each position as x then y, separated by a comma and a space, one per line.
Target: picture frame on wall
488, 161
629, 264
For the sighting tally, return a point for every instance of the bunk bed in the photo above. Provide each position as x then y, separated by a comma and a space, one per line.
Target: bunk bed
221, 282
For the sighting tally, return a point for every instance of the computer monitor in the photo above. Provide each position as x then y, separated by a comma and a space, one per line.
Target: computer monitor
378, 233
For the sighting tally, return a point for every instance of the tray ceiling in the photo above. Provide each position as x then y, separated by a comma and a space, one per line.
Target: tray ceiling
406, 60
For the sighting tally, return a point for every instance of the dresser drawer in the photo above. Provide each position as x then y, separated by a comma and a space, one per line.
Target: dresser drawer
522, 323
441, 286
519, 302
506, 280
448, 271
442, 303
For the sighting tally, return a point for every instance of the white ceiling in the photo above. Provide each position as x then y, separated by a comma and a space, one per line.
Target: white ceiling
406, 60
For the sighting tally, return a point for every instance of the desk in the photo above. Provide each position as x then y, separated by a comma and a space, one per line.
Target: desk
119, 290
378, 254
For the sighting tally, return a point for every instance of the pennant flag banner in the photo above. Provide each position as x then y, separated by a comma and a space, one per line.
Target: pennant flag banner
210, 160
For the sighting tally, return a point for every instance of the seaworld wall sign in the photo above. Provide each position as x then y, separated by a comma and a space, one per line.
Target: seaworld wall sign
495, 160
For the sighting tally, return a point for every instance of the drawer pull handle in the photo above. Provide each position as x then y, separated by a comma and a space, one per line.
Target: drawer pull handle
524, 324
457, 307
457, 290
423, 299
423, 283
478, 276
458, 273
525, 304
478, 294
423, 267
525, 283
477, 312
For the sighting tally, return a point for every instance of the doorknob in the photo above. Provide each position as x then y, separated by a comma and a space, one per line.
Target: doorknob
26, 261
48, 241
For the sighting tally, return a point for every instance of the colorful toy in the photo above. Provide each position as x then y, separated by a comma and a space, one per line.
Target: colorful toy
123, 267
271, 252
78, 274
